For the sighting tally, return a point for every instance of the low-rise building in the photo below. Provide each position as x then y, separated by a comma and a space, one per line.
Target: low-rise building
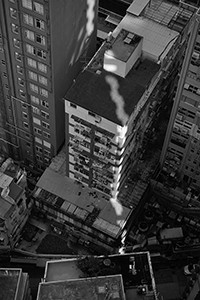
127, 276
14, 208
14, 284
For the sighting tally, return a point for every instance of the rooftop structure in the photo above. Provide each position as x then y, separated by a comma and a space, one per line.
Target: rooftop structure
77, 201
14, 284
135, 271
87, 288
93, 84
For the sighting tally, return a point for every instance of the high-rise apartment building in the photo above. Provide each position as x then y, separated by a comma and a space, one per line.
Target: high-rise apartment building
41, 43
181, 151
111, 105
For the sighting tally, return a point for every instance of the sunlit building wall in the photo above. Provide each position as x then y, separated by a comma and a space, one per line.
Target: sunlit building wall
41, 43
181, 155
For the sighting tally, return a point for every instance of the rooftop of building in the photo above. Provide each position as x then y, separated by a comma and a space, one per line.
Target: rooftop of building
135, 269
9, 283
93, 91
65, 193
4, 207
124, 45
98, 288
15, 191
159, 22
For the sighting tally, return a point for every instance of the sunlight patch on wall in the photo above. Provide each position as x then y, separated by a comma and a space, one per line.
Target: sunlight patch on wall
117, 99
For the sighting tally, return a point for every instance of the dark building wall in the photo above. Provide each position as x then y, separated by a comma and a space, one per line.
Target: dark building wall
71, 46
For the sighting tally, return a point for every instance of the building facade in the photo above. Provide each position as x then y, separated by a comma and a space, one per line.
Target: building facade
181, 155
41, 43
14, 208
111, 107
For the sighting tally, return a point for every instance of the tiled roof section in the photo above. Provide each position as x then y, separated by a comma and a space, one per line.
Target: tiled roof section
99, 288
92, 92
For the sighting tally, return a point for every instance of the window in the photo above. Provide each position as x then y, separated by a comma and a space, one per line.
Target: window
39, 157
27, 4
42, 80
44, 92
32, 63
41, 53
24, 105
5, 74
47, 153
35, 100
25, 125
16, 43
28, 144
35, 110
40, 39
73, 105
20, 70
46, 134
91, 114
18, 56
44, 103
47, 144
42, 67
22, 94
45, 125
36, 121
29, 34
15, 28
44, 114
39, 141
39, 24
33, 87
39, 8
24, 114
30, 49
6, 86
38, 149
28, 19
13, 13
37, 130
21, 82
32, 75
3, 62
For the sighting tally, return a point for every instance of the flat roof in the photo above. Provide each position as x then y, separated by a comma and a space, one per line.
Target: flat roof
15, 191
5, 180
93, 92
4, 207
9, 283
137, 6
99, 288
135, 268
79, 200
124, 45
157, 38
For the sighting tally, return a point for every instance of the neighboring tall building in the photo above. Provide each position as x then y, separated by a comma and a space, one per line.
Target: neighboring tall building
14, 284
41, 43
111, 106
181, 150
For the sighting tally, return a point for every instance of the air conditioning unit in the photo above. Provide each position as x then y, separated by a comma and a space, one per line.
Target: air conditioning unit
179, 117
97, 119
